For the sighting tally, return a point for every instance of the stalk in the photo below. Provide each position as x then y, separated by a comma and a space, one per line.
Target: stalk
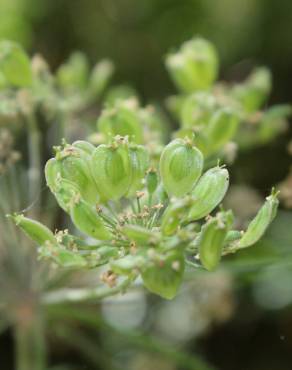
34, 173
29, 342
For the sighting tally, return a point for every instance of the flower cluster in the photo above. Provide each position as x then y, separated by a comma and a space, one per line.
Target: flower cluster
138, 217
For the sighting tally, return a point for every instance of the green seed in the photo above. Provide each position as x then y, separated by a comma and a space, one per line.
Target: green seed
111, 168
211, 239
260, 223
65, 193
87, 220
85, 146
75, 168
139, 234
53, 170
151, 180
126, 265
194, 66
208, 192
222, 128
181, 165
34, 229
122, 119
68, 259
15, 64
164, 276
173, 215
139, 160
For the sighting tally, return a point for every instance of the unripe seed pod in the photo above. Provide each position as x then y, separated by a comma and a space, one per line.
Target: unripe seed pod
73, 75
181, 165
75, 168
100, 77
103, 255
53, 170
160, 196
164, 277
66, 258
173, 215
85, 146
111, 169
87, 220
139, 234
194, 66
197, 110
38, 232
127, 265
209, 192
222, 128
151, 180
260, 223
122, 119
65, 193
14, 65
212, 237
253, 93
232, 236
139, 161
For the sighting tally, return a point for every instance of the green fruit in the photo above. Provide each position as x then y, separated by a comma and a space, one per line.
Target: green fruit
260, 223
38, 232
68, 259
173, 215
194, 66
87, 220
164, 277
15, 64
73, 75
139, 160
151, 180
253, 93
53, 170
197, 110
123, 119
75, 168
181, 165
211, 239
85, 146
66, 192
128, 264
139, 234
221, 128
209, 192
112, 171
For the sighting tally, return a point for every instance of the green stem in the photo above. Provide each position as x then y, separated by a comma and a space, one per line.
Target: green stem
85, 294
30, 344
135, 339
34, 173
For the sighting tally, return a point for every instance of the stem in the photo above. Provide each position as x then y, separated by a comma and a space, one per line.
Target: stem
34, 172
85, 294
135, 339
29, 343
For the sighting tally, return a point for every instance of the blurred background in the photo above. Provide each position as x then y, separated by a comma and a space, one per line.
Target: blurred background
241, 316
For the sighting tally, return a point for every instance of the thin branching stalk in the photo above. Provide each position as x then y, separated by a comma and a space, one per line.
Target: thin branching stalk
35, 164
30, 353
85, 294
